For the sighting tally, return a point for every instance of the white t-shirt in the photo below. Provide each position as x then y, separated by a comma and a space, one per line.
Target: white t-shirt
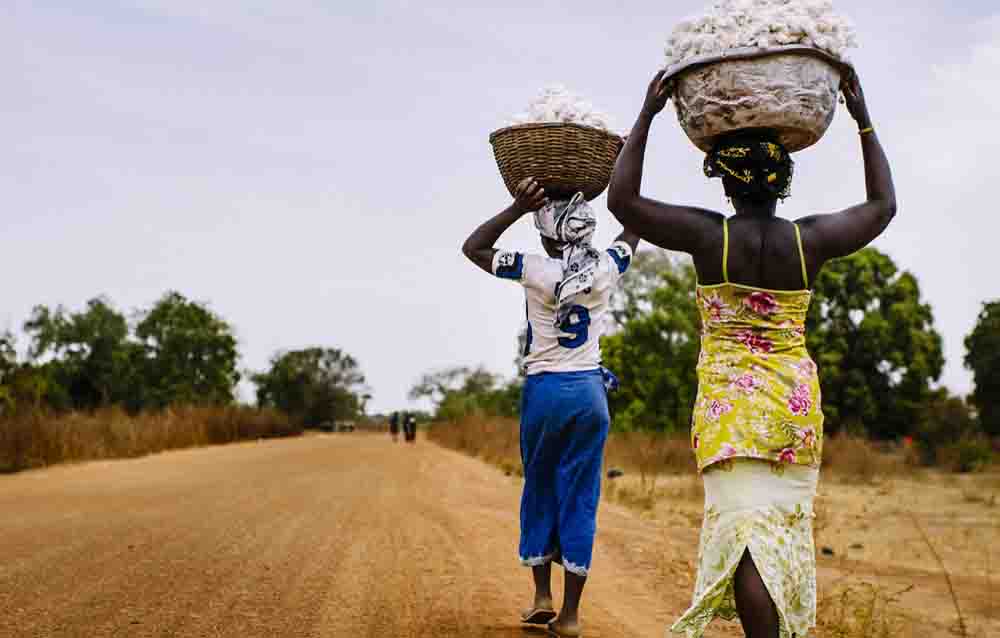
575, 345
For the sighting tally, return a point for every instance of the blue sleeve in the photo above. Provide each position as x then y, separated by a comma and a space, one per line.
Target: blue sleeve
509, 265
621, 256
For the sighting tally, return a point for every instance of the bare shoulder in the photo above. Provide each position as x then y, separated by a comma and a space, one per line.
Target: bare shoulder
812, 227
672, 226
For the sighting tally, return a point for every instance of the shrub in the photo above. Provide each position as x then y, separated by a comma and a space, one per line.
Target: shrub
968, 454
945, 421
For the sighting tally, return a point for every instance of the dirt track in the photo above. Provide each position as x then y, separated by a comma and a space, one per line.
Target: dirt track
350, 535
339, 535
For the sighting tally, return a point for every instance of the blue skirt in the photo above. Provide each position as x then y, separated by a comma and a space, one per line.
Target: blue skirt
564, 425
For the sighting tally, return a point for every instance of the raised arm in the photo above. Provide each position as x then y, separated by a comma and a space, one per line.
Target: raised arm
682, 228
529, 196
629, 238
840, 234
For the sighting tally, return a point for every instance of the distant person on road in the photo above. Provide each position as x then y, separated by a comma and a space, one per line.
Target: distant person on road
394, 426
410, 428
758, 424
564, 406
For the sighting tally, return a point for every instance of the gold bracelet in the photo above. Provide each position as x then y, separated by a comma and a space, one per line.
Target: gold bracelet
870, 129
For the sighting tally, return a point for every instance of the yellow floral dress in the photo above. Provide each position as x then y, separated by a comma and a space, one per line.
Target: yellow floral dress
757, 434
758, 388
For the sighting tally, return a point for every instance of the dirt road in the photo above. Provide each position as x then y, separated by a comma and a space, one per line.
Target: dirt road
339, 535
352, 536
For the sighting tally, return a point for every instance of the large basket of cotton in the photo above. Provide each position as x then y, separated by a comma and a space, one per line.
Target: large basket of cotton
759, 64
561, 142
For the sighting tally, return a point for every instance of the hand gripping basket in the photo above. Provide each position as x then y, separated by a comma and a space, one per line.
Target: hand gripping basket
790, 90
564, 158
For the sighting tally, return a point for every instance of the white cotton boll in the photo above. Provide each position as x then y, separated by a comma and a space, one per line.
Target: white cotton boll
687, 25
731, 24
725, 41
556, 104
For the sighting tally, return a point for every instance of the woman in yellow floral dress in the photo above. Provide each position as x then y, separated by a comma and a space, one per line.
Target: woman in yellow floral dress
758, 425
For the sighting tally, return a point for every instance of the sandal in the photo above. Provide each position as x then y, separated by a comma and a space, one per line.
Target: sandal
538, 616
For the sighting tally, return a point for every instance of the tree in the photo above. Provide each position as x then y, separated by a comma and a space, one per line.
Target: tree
632, 298
314, 385
22, 385
983, 358
874, 342
461, 391
654, 350
8, 364
189, 354
8, 355
89, 357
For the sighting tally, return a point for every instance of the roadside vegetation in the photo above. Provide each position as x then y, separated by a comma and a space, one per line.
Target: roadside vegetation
93, 384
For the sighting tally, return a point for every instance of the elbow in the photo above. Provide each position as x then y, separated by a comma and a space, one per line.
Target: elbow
614, 196
467, 249
619, 203
614, 202
889, 210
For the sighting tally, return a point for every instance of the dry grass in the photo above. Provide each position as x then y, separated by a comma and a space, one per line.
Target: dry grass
978, 496
494, 440
650, 455
646, 495
663, 464
851, 459
864, 610
642, 497
497, 441
655, 466
41, 439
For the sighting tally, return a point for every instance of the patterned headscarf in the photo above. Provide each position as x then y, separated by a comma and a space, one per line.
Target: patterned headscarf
751, 166
571, 224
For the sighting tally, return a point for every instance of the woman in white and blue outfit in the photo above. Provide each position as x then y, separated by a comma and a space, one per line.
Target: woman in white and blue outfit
564, 406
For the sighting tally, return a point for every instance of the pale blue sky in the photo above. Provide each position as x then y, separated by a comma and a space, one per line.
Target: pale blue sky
311, 168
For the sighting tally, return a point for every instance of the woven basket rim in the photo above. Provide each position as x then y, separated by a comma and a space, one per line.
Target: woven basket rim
750, 53
543, 125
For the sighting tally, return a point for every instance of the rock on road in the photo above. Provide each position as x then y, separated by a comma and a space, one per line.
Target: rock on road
335, 535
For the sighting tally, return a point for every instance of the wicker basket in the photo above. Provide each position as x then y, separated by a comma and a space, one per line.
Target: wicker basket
564, 158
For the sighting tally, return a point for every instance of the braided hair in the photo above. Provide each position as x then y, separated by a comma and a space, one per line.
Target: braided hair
753, 166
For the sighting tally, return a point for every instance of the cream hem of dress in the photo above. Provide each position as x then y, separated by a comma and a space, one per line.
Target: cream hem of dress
767, 509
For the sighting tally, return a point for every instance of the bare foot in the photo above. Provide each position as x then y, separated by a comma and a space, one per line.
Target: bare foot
568, 628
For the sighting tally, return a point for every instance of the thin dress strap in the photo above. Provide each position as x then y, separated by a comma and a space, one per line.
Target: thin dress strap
802, 255
725, 250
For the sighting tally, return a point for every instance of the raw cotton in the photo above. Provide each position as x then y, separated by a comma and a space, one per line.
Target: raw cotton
556, 104
733, 24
